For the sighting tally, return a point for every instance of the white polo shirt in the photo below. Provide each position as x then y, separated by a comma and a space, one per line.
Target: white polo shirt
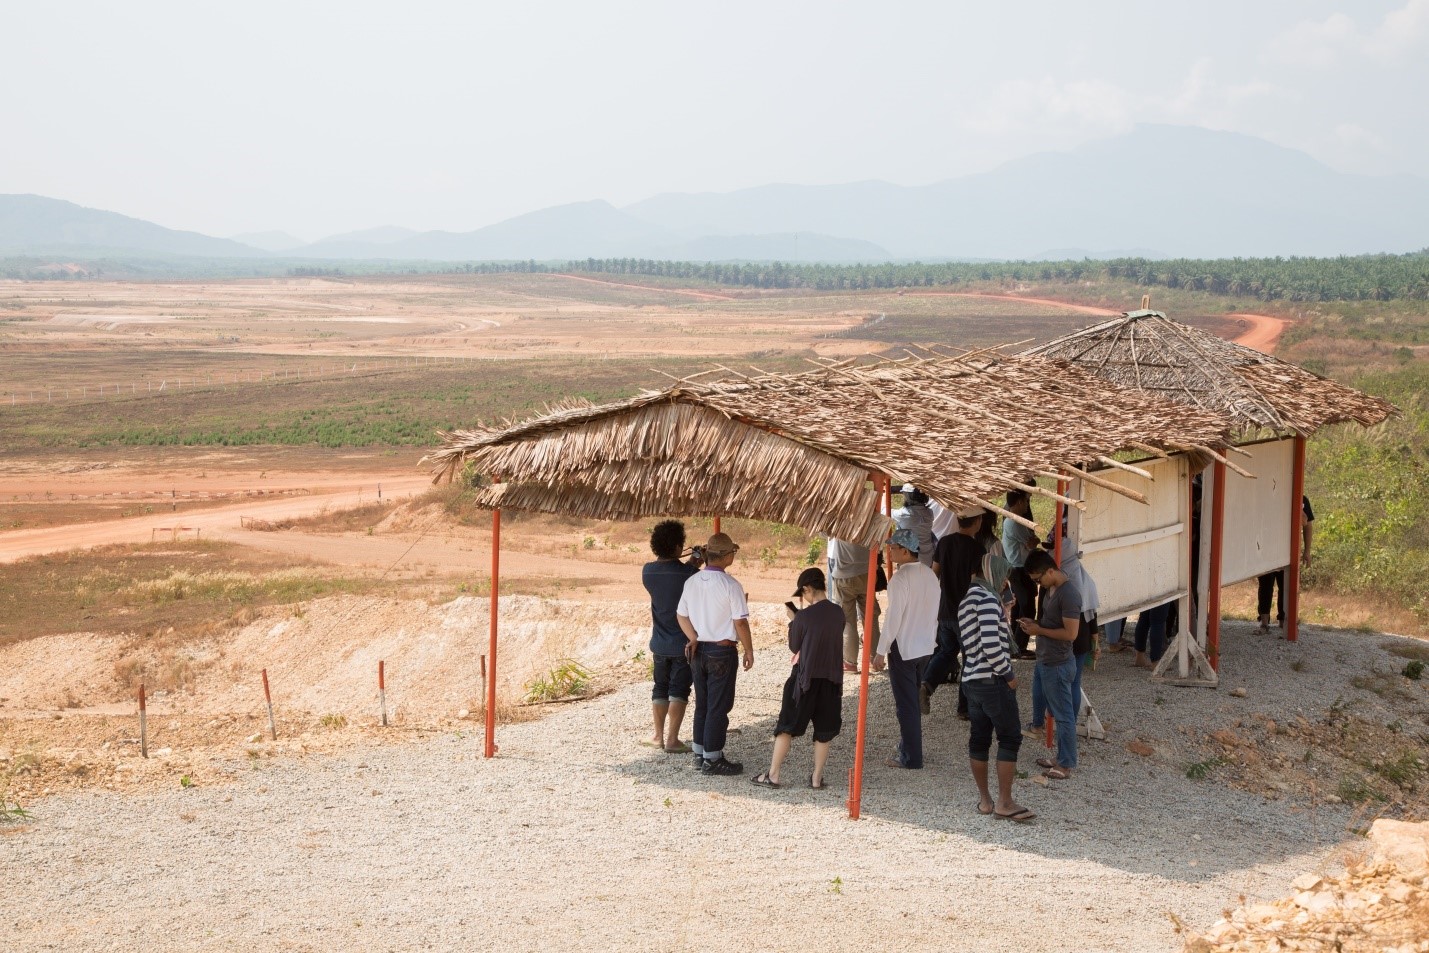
712, 600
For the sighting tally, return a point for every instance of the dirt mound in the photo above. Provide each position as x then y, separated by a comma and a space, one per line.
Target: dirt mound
1381, 903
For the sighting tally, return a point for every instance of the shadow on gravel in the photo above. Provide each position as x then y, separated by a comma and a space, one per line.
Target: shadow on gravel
1142, 815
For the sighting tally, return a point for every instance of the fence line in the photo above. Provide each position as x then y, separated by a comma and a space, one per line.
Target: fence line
84, 393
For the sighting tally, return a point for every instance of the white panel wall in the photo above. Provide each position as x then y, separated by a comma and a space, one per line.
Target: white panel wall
1138, 554
1257, 515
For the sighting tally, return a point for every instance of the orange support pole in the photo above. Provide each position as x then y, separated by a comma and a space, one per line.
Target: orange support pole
1050, 722
491, 649
716, 524
1292, 572
855, 788
1213, 584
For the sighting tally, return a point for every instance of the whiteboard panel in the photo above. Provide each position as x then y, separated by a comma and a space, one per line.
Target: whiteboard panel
1256, 532
1131, 576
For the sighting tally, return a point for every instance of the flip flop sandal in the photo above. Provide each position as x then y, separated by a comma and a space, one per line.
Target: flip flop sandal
683, 749
817, 787
1056, 774
1046, 763
1023, 816
763, 780
978, 808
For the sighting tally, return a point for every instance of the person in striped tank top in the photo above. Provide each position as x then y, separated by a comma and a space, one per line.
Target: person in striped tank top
991, 687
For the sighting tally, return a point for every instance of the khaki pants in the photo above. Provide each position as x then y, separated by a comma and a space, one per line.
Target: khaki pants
853, 597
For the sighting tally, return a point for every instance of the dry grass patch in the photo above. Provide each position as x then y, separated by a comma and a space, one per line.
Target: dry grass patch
186, 589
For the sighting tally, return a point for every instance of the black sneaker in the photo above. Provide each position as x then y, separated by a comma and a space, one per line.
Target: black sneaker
723, 767
699, 763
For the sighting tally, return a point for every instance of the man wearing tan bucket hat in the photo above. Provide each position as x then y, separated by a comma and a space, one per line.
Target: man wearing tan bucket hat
714, 615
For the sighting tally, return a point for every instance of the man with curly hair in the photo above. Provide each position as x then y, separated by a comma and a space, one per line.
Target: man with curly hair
664, 579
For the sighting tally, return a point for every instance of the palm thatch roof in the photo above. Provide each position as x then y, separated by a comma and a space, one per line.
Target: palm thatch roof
800, 448
1149, 352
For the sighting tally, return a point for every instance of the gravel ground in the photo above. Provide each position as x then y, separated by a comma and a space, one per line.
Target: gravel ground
576, 837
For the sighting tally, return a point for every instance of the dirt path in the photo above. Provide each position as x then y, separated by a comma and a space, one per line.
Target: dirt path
140, 529
708, 295
1265, 331
1079, 308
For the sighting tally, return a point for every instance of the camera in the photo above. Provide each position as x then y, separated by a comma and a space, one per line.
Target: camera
698, 552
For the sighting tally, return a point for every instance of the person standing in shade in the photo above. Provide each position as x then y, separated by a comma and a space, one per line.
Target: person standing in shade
813, 692
909, 636
665, 579
848, 572
1057, 626
714, 615
955, 562
1018, 542
991, 688
1272, 584
915, 515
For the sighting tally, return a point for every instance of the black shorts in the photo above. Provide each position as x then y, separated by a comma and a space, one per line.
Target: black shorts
822, 704
672, 679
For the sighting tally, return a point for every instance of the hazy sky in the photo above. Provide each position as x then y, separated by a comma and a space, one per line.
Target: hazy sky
323, 117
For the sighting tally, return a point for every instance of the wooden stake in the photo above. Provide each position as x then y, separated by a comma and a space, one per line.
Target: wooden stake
143, 724
268, 700
382, 690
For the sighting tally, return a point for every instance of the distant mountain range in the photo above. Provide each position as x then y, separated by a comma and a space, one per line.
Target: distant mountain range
1158, 191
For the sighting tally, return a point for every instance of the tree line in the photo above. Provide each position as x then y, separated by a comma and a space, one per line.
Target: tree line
1347, 278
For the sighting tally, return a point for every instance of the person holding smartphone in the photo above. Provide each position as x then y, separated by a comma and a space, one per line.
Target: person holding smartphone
813, 692
1055, 675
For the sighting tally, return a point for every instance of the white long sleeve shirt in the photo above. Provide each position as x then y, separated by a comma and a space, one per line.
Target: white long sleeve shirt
912, 616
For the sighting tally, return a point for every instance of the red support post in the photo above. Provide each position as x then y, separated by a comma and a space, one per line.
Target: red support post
1213, 582
855, 788
1292, 572
490, 750
715, 527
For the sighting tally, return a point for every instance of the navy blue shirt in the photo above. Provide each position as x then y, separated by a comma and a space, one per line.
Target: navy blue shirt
665, 581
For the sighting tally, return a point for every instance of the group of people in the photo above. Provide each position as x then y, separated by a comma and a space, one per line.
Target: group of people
963, 603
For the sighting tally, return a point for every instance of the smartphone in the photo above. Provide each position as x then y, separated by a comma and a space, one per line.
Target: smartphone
791, 607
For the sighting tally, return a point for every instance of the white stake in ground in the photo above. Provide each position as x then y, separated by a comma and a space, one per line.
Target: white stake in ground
143, 725
382, 691
268, 698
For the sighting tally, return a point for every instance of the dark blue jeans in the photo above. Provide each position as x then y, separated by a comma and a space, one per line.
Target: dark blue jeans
1151, 627
904, 677
945, 665
992, 708
715, 669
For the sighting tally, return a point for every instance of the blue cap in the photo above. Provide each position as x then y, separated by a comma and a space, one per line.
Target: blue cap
905, 538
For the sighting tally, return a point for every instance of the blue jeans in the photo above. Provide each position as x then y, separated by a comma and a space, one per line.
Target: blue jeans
992, 708
1052, 691
715, 669
1151, 627
1114, 630
904, 677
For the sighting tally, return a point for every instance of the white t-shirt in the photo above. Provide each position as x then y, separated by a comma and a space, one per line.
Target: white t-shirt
712, 600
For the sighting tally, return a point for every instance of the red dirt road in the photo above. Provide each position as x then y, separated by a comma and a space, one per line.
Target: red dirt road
18, 544
1264, 331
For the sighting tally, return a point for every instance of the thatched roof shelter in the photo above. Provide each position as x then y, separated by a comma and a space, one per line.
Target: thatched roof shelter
800, 448
1149, 352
